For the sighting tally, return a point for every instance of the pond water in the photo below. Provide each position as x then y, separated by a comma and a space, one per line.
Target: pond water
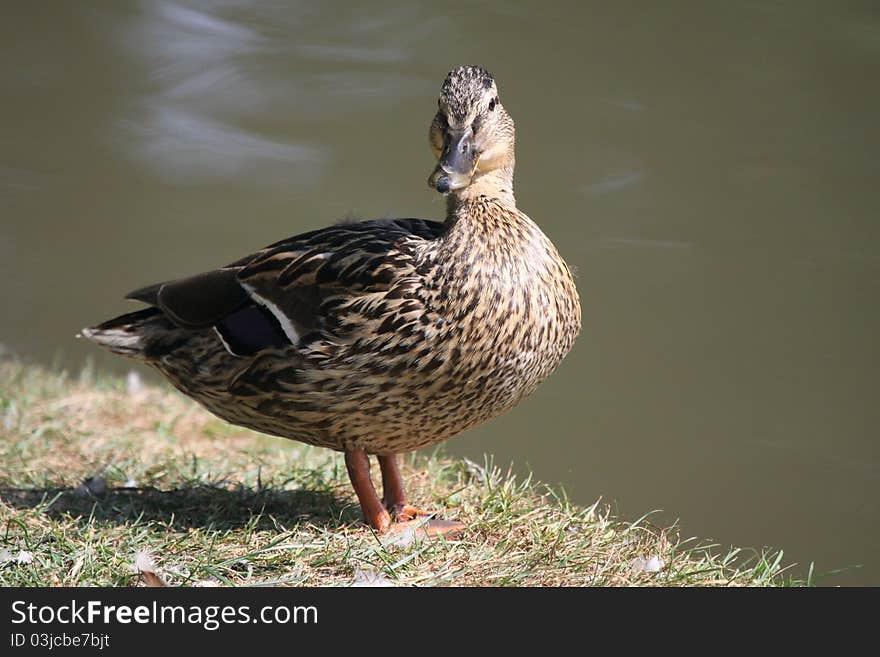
709, 169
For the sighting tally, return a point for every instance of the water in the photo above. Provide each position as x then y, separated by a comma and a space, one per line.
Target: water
709, 169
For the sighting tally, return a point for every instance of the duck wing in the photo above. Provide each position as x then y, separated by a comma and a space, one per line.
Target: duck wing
195, 301
294, 291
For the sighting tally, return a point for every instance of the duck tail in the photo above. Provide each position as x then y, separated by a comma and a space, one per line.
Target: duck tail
132, 335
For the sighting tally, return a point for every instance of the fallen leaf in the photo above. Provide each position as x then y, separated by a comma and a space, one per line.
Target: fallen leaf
649, 565
146, 568
23, 556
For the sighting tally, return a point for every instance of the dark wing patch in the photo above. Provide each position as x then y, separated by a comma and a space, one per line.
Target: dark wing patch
147, 294
197, 301
251, 329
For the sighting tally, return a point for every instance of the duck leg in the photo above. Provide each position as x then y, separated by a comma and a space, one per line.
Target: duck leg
394, 496
405, 515
358, 465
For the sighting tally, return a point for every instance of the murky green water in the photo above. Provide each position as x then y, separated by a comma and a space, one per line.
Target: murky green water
710, 169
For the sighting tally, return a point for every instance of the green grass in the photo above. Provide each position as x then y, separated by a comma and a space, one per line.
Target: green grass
213, 504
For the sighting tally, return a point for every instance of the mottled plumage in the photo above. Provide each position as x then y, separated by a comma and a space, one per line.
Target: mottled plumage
378, 336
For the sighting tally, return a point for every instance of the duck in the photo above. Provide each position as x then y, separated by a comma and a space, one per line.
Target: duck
377, 337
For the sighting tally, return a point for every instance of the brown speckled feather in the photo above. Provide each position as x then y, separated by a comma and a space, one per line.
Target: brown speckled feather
384, 336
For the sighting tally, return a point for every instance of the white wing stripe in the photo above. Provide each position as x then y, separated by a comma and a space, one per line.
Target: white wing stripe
283, 320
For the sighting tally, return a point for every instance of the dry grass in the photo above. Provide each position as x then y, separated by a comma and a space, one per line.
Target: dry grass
95, 472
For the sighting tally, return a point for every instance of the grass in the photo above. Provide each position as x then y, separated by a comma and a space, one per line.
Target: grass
96, 472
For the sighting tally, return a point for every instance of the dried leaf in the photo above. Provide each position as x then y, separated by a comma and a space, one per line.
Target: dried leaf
146, 568
649, 565
23, 556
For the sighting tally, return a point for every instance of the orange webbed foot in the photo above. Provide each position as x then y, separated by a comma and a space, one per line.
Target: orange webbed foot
404, 512
408, 530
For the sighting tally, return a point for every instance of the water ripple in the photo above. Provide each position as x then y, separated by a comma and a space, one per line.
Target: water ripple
188, 147
614, 183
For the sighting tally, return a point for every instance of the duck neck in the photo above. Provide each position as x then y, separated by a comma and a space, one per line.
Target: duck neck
475, 213
496, 185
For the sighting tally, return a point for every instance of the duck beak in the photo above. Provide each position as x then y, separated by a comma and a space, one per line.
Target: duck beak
457, 162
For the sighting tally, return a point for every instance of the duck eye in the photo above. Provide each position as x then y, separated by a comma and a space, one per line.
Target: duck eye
492, 103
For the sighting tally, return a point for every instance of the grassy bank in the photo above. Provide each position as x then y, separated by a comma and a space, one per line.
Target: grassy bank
97, 472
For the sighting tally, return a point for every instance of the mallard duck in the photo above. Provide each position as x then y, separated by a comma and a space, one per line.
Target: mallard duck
377, 337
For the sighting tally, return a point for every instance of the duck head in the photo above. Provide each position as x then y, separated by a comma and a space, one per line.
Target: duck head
472, 135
